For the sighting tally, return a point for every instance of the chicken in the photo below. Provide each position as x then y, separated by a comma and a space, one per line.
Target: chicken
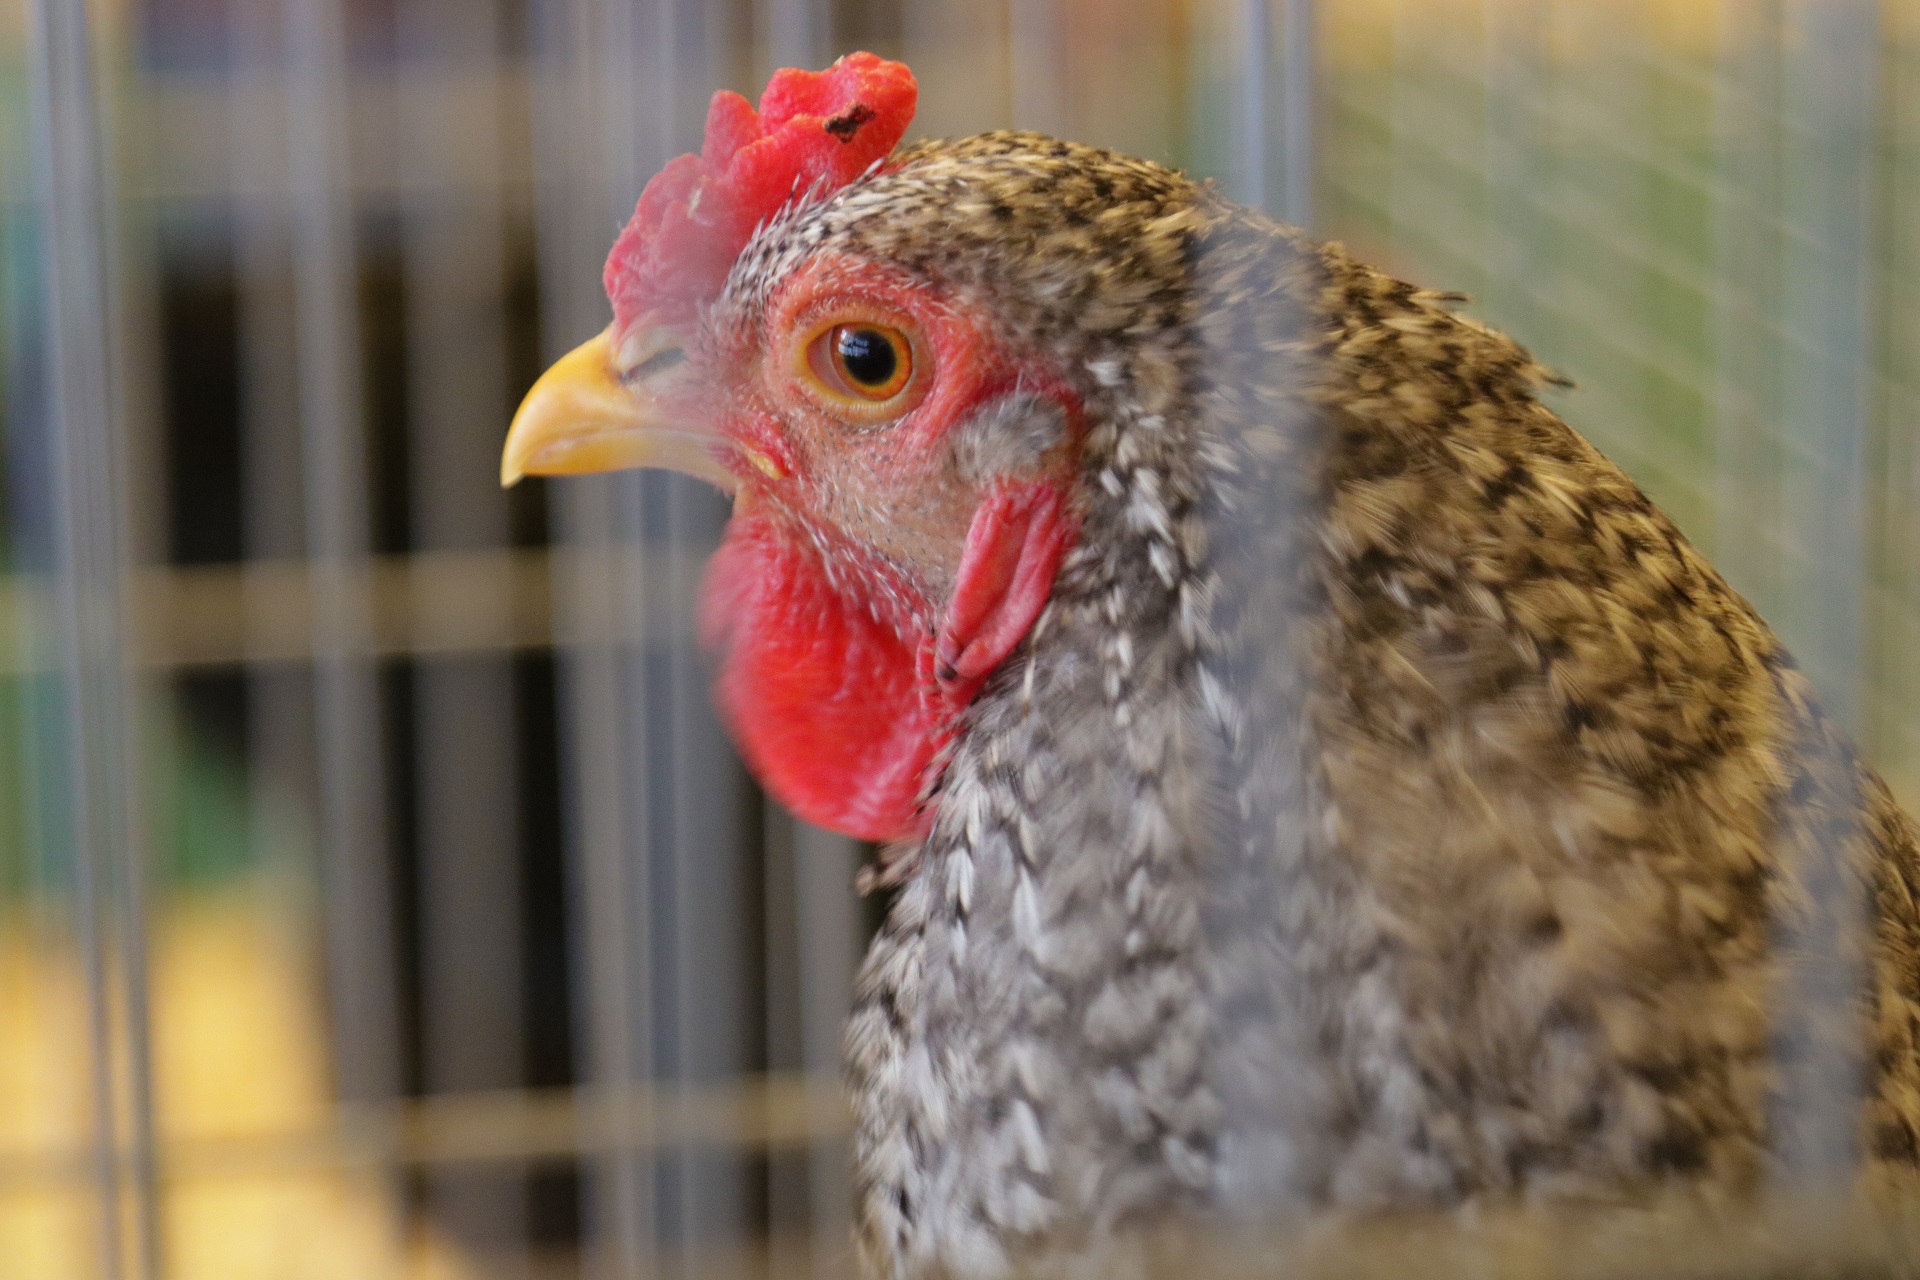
1314, 777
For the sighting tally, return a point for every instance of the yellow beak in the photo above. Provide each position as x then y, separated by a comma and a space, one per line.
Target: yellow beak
581, 417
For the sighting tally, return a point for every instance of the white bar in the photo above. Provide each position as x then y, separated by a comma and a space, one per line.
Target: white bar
831, 940
281, 735
1830, 92
809, 872
1038, 62
355, 876
586, 180
1746, 287
1256, 57
1298, 144
465, 765
89, 563
797, 33
1517, 261
704, 872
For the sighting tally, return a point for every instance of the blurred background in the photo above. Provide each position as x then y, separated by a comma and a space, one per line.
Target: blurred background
378, 896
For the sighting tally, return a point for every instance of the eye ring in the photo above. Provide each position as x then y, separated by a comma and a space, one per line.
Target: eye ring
861, 362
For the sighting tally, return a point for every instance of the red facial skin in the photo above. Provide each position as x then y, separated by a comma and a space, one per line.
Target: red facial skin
863, 595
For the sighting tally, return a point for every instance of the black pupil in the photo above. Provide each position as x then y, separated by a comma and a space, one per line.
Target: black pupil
867, 356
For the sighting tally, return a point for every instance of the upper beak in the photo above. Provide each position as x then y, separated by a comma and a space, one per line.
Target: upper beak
582, 417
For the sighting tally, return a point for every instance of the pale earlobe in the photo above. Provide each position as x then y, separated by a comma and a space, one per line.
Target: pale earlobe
1015, 435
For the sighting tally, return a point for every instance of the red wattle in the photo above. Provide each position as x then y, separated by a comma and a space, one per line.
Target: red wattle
1014, 547
840, 710
823, 698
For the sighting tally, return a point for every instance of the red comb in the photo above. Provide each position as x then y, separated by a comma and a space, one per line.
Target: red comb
813, 127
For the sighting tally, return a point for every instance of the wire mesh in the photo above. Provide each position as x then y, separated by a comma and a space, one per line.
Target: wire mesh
378, 885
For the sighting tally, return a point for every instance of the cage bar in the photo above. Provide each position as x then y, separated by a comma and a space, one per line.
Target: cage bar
89, 573
352, 819
1695, 213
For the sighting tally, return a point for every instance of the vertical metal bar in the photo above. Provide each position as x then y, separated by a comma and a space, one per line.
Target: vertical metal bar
1256, 58
586, 180
658, 709
1894, 739
1747, 262
1830, 89
797, 32
636, 123
280, 733
1515, 98
809, 871
1298, 46
1402, 112
709, 853
353, 835
598, 761
829, 947
1796, 112
789, 1185
694, 844
453, 253
90, 571
53, 921
1040, 101
813, 948
961, 54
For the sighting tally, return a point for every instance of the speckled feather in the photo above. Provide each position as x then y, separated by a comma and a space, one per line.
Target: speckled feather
1390, 808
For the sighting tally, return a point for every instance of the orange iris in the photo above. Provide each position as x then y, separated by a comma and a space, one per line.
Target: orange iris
862, 361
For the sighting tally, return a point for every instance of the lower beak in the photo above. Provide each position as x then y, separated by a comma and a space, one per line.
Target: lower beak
580, 417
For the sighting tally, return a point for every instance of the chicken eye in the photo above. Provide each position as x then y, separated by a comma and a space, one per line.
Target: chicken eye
863, 361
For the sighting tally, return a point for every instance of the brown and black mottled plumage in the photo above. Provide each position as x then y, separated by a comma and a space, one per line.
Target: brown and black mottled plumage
1390, 807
